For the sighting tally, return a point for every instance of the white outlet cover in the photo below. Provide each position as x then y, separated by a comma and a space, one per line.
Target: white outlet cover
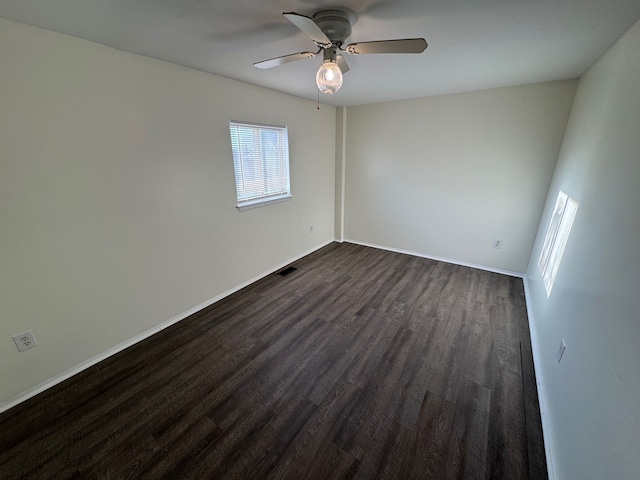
25, 341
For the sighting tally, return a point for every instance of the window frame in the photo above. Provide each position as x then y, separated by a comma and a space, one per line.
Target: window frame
245, 200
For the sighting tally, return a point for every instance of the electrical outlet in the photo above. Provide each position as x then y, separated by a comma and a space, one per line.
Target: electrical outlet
25, 341
561, 349
310, 228
497, 243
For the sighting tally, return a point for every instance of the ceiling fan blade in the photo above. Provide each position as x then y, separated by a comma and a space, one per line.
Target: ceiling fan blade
342, 64
308, 26
406, 45
274, 62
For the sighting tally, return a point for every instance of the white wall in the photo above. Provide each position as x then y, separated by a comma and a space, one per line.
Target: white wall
341, 152
593, 395
444, 176
117, 196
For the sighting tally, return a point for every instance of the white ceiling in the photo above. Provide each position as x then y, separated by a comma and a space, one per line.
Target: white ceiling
473, 44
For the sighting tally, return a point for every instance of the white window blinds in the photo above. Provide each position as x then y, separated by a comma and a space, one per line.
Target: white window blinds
261, 162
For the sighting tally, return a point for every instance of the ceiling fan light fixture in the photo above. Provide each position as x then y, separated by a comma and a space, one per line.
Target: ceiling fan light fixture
329, 30
329, 77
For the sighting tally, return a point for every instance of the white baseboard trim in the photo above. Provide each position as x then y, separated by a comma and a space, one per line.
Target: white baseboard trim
542, 399
439, 259
32, 392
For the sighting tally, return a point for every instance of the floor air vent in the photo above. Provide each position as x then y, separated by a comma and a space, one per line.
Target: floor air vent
286, 271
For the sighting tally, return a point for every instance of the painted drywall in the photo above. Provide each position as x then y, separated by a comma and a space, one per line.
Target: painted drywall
341, 152
445, 176
117, 196
593, 395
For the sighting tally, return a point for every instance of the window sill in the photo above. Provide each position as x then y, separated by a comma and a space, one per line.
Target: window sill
263, 202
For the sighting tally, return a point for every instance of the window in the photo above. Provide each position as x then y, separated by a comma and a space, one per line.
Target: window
556, 239
261, 163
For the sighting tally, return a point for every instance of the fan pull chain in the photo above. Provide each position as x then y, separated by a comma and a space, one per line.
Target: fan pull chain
318, 107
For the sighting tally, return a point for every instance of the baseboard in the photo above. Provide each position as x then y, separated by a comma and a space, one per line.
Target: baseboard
439, 259
32, 392
546, 422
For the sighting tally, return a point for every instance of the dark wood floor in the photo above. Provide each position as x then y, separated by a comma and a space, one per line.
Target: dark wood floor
362, 363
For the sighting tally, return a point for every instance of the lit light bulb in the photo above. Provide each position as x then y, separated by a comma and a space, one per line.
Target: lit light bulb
329, 77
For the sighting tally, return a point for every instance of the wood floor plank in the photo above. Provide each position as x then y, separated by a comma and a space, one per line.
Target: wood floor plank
507, 455
320, 427
330, 362
448, 369
430, 439
332, 463
367, 350
467, 449
480, 347
507, 337
224, 451
264, 451
174, 455
361, 363
357, 431
535, 441
386, 456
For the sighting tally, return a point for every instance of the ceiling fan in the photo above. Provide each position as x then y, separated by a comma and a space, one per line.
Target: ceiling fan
329, 29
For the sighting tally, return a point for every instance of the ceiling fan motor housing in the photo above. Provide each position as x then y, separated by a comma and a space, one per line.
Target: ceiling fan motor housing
335, 24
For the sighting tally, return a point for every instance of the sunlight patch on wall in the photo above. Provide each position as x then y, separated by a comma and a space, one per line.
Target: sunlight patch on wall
556, 239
